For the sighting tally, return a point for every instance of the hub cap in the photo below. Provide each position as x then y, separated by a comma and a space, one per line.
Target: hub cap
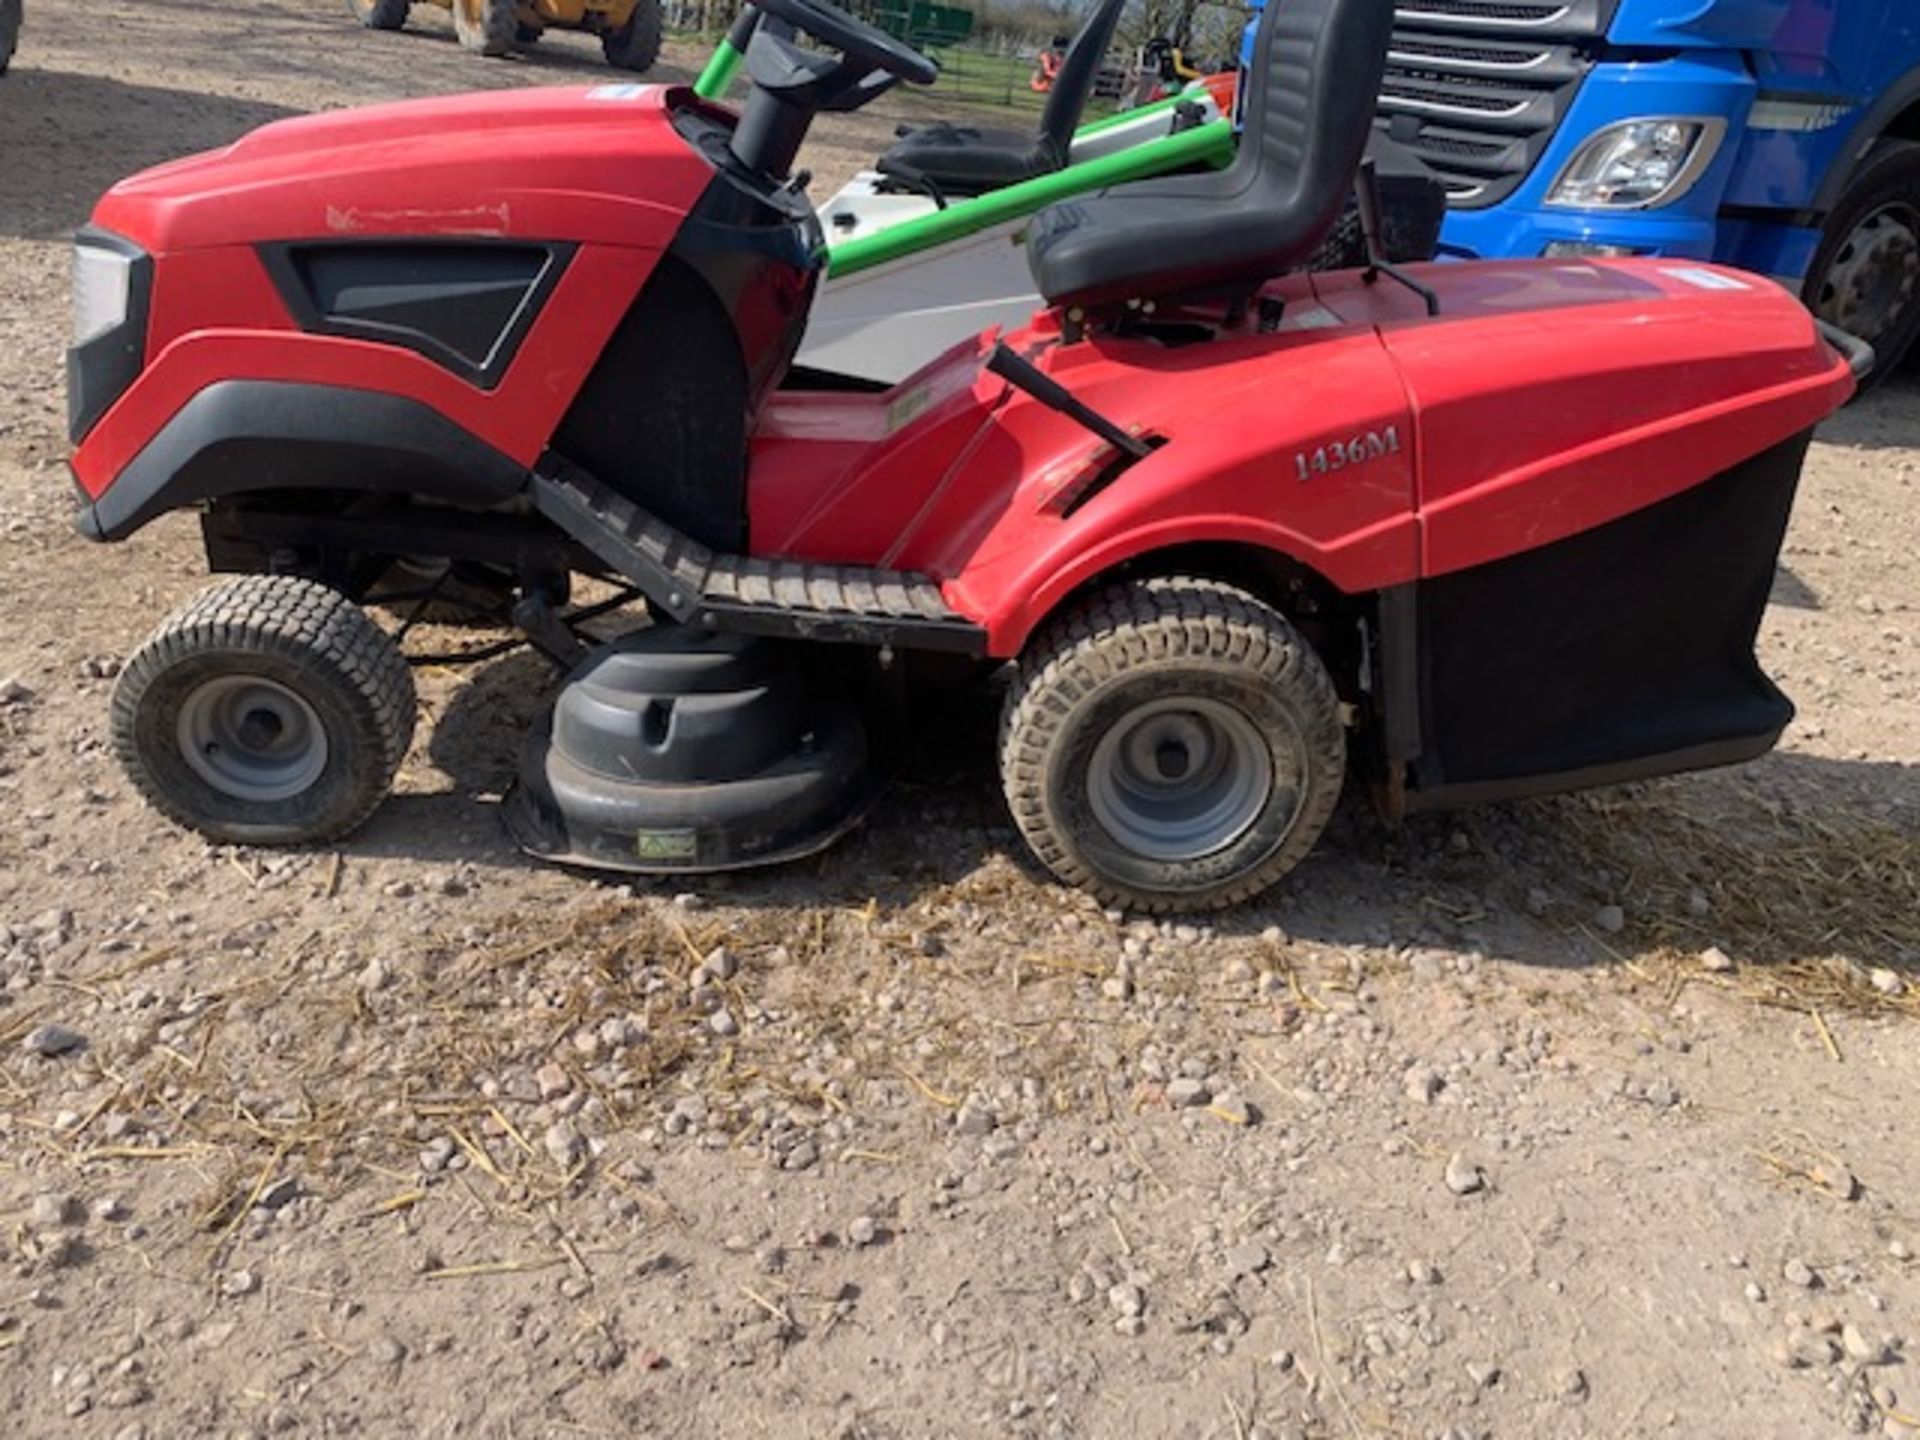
252, 739
1874, 274
1180, 778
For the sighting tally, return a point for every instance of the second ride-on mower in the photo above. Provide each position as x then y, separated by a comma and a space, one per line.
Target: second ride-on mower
925, 249
1481, 530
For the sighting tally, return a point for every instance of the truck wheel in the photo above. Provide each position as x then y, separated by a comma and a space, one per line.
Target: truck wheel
1865, 277
636, 44
267, 710
487, 26
9, 31
380, 14
1171, 744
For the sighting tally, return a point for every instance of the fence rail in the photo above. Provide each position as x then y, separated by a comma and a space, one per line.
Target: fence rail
991, 70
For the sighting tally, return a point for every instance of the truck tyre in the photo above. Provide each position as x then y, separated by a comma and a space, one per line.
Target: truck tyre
380, 14
268, 710
1171, 744
488, 27
9, 31
636, 44
1865, 276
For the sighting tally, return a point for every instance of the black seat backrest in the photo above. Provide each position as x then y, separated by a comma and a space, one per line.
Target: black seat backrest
1313, 85
1079, 69
1315, 78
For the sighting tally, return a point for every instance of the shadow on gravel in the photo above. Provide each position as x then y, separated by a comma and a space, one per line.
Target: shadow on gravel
1793, 592
69, 136
1788, 860
1887, 419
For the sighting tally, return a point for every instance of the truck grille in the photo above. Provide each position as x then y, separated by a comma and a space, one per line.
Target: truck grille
1477, 87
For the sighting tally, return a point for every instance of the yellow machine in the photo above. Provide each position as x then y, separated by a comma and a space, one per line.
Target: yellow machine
629, 30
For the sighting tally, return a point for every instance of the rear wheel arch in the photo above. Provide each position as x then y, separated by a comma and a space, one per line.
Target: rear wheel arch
1312, 602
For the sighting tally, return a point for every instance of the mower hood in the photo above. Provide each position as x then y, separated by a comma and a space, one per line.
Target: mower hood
458, 165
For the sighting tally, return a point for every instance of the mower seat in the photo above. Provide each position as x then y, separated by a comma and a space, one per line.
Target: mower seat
959, 160
1313, 84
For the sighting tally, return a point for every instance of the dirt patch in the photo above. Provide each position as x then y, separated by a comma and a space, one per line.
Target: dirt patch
1474, 1128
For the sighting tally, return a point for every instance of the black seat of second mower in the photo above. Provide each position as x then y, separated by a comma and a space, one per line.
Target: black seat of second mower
1312, 87
965, 160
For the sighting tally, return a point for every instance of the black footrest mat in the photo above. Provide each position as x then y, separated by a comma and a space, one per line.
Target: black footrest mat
853, 603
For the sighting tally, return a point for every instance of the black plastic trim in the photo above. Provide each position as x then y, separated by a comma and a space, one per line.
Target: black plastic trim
282, 264
1620, 652
1859, 354
99, 372
524, 544
243, 436
804, 600
1709, 756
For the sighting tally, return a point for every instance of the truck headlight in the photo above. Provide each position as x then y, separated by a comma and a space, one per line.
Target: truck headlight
102, 289
1638, 164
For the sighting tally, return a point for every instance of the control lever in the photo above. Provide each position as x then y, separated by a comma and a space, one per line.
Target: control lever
1366, 188
1023, 374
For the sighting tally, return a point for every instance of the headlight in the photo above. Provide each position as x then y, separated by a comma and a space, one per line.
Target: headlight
1638, 164
102, 287
112, 292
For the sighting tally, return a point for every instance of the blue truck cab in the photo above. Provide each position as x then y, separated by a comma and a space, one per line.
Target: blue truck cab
1781, 136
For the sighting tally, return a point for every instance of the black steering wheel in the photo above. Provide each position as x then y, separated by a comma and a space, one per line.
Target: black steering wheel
854, 38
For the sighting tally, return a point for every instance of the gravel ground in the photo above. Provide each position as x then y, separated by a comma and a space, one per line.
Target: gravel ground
1589, 1117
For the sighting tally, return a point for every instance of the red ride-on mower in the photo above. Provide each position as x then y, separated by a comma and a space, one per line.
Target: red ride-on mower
1481, 530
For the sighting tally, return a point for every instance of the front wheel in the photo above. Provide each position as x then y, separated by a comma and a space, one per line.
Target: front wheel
267, 710
488, 27
1865, 277
635, 44
1172, 744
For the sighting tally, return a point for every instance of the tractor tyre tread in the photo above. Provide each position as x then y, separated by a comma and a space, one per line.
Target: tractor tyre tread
1135, 624
635, 45
496, 31
304, 633
380, 14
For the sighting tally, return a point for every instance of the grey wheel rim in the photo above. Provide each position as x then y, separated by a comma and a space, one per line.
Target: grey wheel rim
252, 738
1183, 777
1871, 283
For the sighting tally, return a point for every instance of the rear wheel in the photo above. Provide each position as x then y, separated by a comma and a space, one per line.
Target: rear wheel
1865, 277
1172, 744
487, 26
380, 14
635, 45
267, 710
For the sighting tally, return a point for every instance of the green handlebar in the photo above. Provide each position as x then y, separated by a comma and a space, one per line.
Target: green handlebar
1210, 144
725, 63
718, 75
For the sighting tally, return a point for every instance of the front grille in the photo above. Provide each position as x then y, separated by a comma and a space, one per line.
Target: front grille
1475, 10
1476, 88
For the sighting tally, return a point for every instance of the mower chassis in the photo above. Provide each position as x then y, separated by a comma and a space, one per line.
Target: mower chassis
884, 322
